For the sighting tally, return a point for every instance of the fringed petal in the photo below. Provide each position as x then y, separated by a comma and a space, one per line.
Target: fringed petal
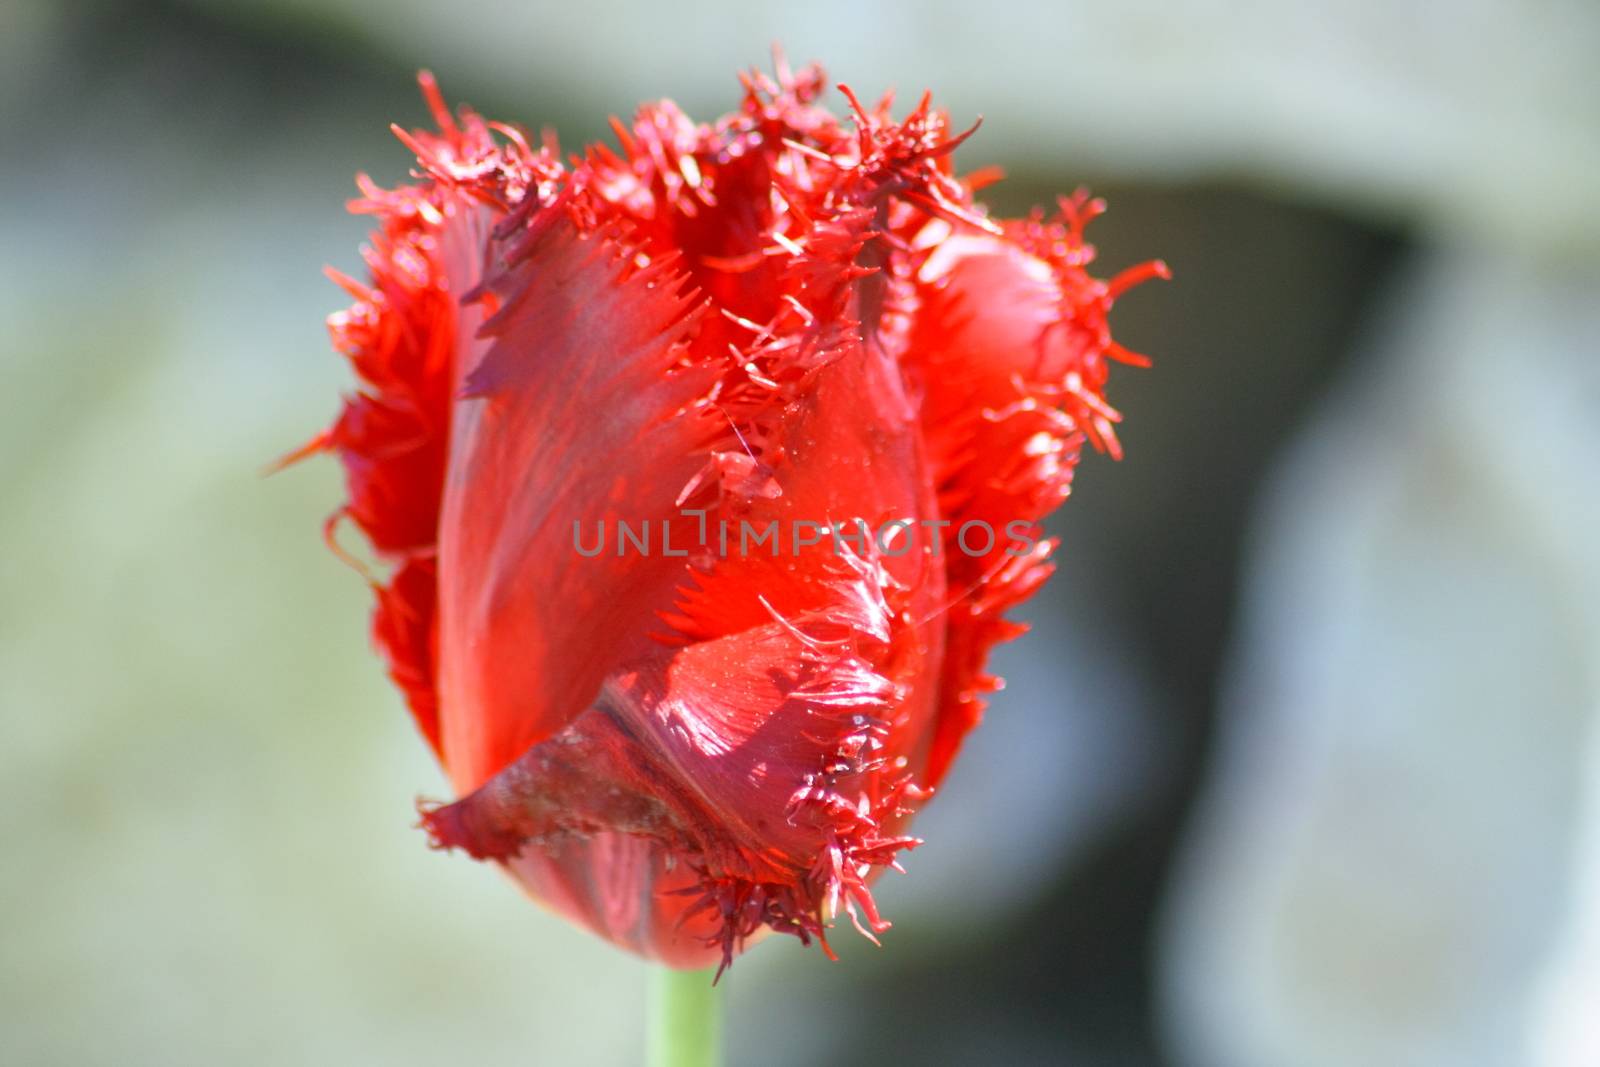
579, 417
405, 336
1010, 346
758, 760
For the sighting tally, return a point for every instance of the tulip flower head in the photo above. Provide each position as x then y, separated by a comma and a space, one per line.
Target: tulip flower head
704, 470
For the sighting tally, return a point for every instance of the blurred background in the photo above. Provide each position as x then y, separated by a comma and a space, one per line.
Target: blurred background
1299, 766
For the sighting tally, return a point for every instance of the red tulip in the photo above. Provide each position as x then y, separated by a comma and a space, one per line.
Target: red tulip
774, 323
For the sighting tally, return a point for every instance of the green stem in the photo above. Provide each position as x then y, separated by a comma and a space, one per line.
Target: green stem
685, 1020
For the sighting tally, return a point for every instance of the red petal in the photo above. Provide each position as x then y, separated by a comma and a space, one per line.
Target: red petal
756, 760
577, 414
406, 336
1010, 343
405, 627
403, 341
